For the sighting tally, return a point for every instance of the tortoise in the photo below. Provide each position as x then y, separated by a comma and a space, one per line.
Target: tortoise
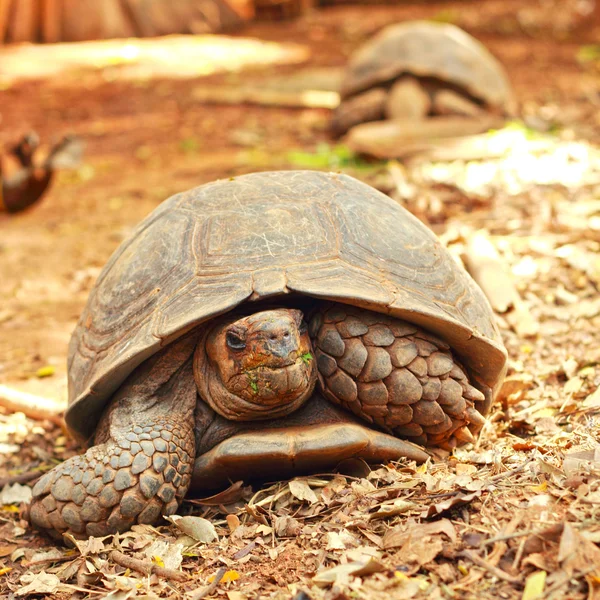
416, 69
266, 325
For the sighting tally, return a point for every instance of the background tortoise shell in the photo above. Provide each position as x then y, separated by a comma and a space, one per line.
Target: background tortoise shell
203, 252
428, 49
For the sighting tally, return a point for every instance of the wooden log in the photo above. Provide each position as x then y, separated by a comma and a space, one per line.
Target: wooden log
115, 22
5, 6
23, 22
219, 14
79, 20
93, 20
141, 20
50, 21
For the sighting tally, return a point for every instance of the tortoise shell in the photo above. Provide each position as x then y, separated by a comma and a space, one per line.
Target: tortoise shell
428, 49
261, 236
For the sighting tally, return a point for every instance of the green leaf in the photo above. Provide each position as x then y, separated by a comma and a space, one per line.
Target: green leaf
590, 53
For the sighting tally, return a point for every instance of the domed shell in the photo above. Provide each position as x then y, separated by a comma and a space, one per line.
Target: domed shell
205, 251
429, 49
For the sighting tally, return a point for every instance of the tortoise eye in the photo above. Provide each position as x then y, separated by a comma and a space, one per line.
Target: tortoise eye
303, 327
234, 341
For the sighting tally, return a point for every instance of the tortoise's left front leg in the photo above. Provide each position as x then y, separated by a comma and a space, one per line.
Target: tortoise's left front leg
141, 464
397, 376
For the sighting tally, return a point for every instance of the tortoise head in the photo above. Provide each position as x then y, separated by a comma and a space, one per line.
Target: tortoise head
256, 367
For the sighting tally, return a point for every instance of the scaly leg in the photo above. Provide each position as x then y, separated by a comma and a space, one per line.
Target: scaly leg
396, 376
141, 465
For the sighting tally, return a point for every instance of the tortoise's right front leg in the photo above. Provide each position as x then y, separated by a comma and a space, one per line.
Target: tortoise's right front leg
141, 474
142, 464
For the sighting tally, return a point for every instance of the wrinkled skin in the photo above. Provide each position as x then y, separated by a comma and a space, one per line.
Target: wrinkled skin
238, 395
257, 367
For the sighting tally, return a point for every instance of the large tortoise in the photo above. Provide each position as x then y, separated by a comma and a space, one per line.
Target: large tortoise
416, 69
192, 363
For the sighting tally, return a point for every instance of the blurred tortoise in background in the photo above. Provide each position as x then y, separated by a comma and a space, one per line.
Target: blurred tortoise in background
420, 69
267, 325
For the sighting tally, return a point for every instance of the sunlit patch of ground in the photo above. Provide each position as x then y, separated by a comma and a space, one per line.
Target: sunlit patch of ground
514, 161
176, 56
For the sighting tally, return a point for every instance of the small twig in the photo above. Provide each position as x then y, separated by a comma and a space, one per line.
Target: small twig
207, 590
146, 568
519, 554
556, 586
499, 573
511, 472
20, 478
508, 536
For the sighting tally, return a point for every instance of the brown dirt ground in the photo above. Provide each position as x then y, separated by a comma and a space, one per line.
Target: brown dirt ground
146, 141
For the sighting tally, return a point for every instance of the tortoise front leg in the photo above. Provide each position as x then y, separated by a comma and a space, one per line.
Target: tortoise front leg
141, 465
396, 376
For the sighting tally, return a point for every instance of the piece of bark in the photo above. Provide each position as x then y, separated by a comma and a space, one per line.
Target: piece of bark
92, 20
50, 21
407, 100
5, 10
401, 138
115, 21
23, 22
35, 407
265, 97
447, 102
219, 15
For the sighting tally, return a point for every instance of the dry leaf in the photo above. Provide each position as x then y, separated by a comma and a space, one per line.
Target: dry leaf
568, 543
419, 551
301, 490
593, 400
397, 507
46, 556
334, 541
487, 268
582, 462
232, 494
398, 536
286, 526
534, 586
342, 573
435, 510
15, 494
92, 545
165, 554
228, 576
198, 528
38, 583
233, 522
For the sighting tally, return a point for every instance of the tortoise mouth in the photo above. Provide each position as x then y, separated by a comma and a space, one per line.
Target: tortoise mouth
283, 364
271, 385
